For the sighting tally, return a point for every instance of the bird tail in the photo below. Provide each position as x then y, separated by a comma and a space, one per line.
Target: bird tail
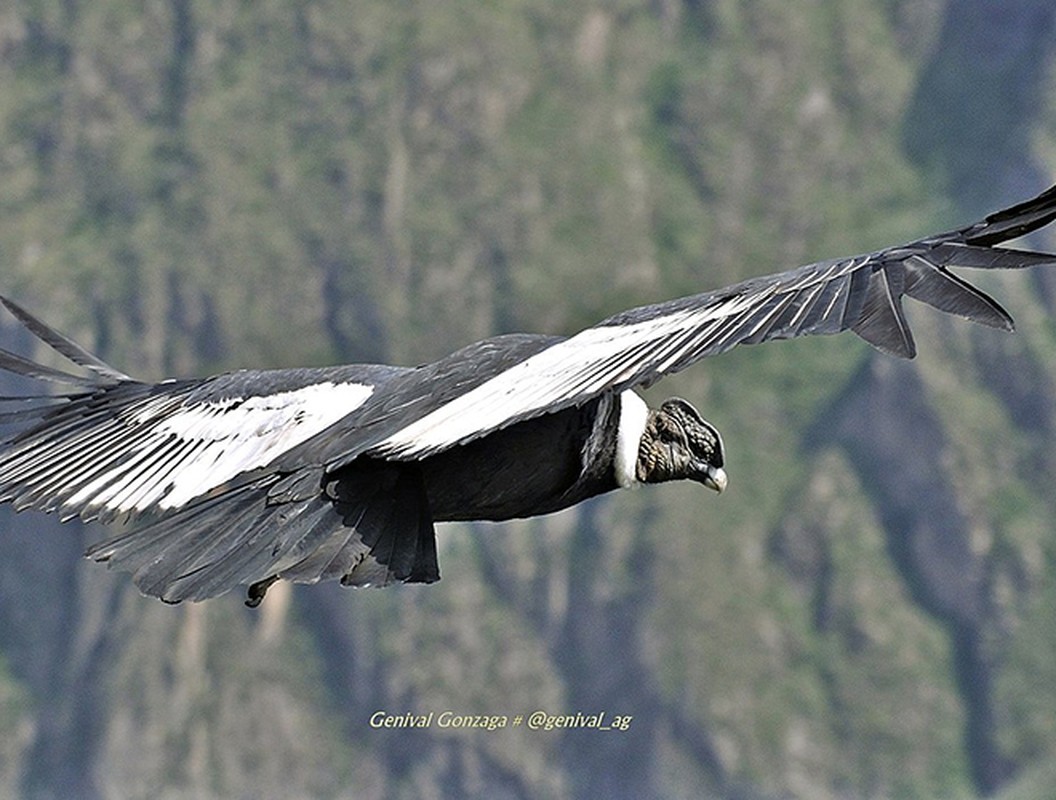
369, 525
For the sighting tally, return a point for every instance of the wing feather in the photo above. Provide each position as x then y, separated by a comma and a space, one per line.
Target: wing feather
947, 292
30, 369
64, 345
121, 451
637, 347
882, 322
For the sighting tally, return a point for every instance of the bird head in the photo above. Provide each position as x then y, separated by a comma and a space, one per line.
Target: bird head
678, 443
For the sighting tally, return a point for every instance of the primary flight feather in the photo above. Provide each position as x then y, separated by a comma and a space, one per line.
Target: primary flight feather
253, 476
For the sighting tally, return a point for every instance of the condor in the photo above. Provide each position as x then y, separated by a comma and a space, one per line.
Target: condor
253, 476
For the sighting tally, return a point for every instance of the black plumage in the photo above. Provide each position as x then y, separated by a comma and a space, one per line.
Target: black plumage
339, 473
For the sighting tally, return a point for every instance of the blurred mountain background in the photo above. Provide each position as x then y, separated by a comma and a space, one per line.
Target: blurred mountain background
190, 186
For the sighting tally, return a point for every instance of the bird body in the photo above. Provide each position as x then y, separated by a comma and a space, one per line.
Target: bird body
253, 476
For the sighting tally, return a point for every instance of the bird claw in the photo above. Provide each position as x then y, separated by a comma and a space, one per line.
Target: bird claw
255, 593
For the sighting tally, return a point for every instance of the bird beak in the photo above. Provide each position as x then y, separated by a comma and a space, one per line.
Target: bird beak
714, 478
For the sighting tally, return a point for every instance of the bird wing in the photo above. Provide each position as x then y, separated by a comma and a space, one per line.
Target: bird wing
115, 447
636, 347
221, 471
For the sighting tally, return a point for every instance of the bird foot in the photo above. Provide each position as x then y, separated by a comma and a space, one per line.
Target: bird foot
255, 593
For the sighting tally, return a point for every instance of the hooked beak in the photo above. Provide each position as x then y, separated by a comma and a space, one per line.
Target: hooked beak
714, 478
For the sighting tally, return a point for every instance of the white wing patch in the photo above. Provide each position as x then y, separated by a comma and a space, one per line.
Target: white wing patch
571, 370
189, 452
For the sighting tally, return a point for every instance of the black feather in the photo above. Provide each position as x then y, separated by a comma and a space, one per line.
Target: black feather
883, 322
945, 291
64, 345
511, 426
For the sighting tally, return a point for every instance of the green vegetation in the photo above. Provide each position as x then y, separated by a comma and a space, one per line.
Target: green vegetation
193, 186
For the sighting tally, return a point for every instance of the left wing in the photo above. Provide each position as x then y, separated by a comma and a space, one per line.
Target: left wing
115, 447
639, 346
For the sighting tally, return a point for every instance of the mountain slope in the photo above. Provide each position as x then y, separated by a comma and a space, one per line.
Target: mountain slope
865, 613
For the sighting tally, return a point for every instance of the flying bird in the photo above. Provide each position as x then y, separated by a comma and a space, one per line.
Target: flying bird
253, 476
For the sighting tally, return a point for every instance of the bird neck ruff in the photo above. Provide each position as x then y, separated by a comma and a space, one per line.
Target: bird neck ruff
633, 417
